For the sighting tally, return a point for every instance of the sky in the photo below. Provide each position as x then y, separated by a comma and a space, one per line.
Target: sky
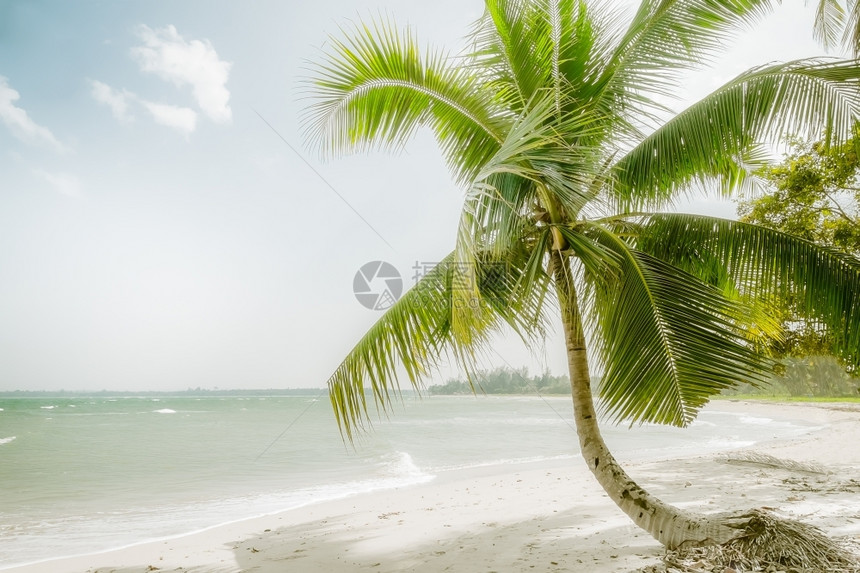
163, 224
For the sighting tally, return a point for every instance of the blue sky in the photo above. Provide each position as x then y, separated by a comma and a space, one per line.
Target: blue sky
155, 233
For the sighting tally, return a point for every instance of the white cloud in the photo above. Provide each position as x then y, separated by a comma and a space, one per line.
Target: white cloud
115, 99
182, 119
64, 183
168, 55
19, 122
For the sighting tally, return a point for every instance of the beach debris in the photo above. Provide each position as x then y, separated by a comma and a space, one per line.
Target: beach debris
822, 485
760, 459
769, 544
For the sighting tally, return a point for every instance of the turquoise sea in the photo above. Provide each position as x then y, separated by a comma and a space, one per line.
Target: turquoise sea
91, 473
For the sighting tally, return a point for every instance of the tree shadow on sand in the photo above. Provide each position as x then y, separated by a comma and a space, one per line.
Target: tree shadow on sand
567, 541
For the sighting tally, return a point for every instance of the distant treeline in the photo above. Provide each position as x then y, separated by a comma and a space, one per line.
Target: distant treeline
178, 393
505, 381
812, 376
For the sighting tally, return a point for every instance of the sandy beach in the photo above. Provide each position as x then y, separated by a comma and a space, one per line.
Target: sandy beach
550, 516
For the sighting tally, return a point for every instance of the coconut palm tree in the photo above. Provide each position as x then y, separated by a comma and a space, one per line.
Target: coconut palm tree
555, 122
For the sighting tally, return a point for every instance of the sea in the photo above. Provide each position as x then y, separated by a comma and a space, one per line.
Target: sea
88, 473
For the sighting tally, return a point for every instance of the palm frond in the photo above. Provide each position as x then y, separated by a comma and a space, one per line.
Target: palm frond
667, 36
767, 267
596, 259
416, 334
667, 340
714, 137
527, 46
512, 50
413, 335
829, 20
375, 88
851, 37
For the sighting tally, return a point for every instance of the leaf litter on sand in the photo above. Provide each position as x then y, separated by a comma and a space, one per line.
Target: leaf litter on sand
769, 544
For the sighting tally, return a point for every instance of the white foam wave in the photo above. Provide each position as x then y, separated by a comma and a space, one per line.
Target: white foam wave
187, 519
164, 411
47, 407
400, 465
7, 440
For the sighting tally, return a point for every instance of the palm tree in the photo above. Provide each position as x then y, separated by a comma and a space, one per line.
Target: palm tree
555, 124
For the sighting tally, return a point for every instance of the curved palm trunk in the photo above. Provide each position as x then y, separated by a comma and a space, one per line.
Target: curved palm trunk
669, 525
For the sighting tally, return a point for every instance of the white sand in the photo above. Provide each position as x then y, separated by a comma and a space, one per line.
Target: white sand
549, 517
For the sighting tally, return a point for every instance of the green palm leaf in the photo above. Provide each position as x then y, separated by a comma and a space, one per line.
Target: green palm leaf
417, 333
716, 136
851, 37
766, 266
375, 68
667, 340
506, 38
667, 36
412, 335
539, 45
829, 20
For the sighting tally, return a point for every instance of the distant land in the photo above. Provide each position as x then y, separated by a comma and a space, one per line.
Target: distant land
808, 377
504, 381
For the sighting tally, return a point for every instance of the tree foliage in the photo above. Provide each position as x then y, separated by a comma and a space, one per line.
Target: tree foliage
505, 381
805, 377
813, 193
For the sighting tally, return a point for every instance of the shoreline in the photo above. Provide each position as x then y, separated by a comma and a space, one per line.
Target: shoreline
543, 516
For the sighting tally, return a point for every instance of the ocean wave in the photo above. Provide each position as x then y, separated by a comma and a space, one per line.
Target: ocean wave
397, 469
47, 407
129, 528
401, 465
164, 411
7, 440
